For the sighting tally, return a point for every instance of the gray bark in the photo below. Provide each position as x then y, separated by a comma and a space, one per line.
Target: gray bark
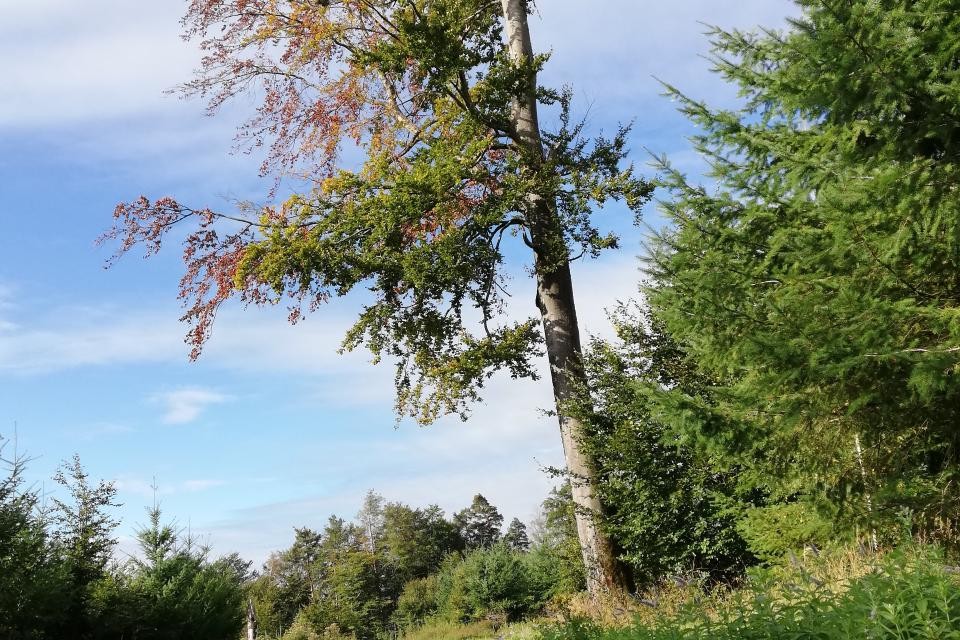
561, 331
251, 621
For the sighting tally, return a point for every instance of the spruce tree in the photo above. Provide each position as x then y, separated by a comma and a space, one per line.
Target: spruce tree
83, 532
818, 280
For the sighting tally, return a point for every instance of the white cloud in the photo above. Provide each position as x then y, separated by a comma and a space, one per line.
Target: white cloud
29, 351
88, 61
68, 338
136, 486
99, 430
183, 406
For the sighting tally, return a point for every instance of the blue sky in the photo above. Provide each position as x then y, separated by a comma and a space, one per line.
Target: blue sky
271, 429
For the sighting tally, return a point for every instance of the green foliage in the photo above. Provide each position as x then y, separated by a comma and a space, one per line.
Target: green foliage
415, 541
555, 557
816, 284
83, 535
363, 578
774, 530
57, 580
494, 580
303, 629
419, 601
909, 594
479, 524
178, 591
670, 505
400, 568
516, 536
33, 579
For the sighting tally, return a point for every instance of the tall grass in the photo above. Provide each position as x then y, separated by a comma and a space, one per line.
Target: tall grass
441, 630
909, 593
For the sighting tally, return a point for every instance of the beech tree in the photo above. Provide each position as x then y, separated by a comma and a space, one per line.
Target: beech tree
442, 98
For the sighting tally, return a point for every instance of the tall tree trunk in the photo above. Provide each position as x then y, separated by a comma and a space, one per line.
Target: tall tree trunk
251, 621
561, 332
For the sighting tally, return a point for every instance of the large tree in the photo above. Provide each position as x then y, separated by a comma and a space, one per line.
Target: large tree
479, 524
441, 97
819, 280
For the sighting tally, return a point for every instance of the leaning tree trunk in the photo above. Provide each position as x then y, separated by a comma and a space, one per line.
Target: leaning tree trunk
561, 333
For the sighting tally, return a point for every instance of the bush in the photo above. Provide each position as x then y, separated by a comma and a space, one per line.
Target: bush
496, 583
303, 629
668, 499
417, 602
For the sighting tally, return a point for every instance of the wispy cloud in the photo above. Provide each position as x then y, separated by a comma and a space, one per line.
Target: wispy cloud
183, 406
29, 351
515, 487
141, 488
68, 338
99, 430
120, 60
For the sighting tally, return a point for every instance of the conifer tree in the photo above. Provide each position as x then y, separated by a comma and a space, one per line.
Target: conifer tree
33, 587
516, 536
818, 283
442, 98
479, 524
84, 536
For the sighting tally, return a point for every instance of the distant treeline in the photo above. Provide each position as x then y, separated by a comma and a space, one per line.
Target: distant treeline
395, 567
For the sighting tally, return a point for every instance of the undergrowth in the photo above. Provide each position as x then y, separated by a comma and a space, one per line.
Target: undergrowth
909, 593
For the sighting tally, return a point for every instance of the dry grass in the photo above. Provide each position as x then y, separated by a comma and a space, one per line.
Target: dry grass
452, 631
833, 570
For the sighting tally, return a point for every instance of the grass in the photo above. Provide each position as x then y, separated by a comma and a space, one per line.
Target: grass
452, 631
483, 630
845, 594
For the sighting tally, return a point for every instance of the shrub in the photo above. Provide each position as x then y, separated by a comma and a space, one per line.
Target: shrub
417, 602
492, 583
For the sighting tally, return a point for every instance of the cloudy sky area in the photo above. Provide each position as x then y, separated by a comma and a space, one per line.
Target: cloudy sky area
271, 429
